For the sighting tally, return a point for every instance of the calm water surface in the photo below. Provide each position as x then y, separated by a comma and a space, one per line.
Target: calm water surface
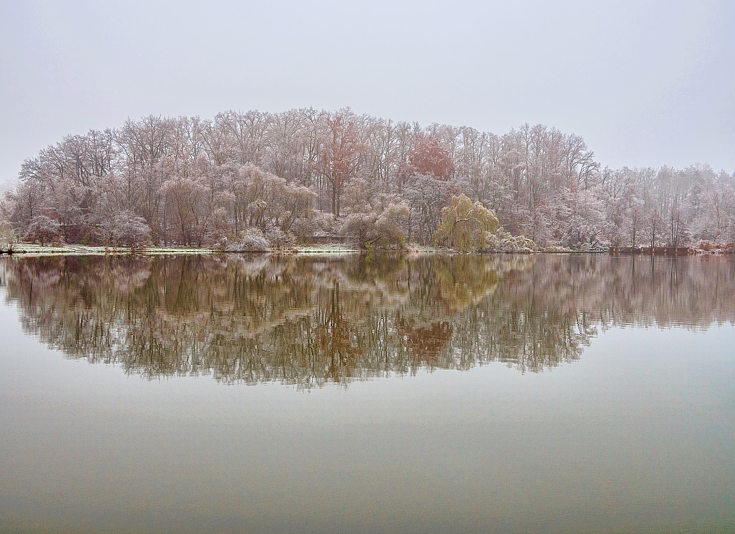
365, 394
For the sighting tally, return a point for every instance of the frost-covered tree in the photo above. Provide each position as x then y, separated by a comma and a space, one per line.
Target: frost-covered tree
126, 229
43, 230
338, 158
199, 181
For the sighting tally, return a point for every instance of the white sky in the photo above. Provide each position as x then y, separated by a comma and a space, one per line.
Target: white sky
644, 82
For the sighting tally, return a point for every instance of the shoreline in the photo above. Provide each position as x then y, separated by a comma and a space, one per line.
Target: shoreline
29, 250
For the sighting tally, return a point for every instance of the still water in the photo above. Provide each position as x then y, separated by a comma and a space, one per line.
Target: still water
367, 393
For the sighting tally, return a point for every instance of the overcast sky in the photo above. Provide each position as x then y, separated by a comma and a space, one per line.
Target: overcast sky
644, 82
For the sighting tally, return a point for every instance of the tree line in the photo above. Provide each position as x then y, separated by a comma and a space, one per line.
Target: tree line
255, 179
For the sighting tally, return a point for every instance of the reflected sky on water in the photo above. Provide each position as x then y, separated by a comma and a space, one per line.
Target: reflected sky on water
553, 393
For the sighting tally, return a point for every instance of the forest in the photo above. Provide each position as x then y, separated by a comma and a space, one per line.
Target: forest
257, 180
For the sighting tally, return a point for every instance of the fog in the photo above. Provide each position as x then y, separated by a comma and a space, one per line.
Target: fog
645, 83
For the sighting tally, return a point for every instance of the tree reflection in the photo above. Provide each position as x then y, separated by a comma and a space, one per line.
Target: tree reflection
308, 321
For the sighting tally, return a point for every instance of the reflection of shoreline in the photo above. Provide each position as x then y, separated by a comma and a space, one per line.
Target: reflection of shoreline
310, 320
33, 250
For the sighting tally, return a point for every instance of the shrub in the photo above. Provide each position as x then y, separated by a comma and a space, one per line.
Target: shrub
279, 239
126, 229
502, 241
250, 240
43, 230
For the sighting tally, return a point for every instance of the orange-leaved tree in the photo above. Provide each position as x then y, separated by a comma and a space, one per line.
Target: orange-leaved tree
428, 156
339, 155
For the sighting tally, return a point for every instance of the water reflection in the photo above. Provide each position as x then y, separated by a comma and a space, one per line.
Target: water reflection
307, 321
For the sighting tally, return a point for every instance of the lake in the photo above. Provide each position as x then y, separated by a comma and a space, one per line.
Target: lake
378, 393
